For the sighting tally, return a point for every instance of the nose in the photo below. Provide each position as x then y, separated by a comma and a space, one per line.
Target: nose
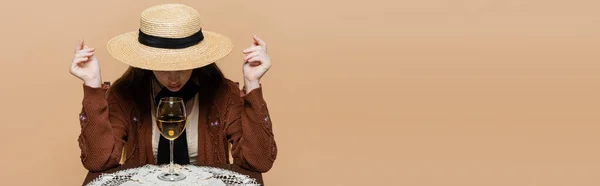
173, 76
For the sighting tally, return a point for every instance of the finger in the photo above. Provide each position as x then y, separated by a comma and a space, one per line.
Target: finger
79, 60
259, 60
256, 59
76, 61
259, 41
84, 54
252, 49
87, 50
254, 63
85, 46
79, 45
251, 55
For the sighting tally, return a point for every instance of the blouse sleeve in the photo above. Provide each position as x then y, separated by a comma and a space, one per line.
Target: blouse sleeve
249, 130
103, 130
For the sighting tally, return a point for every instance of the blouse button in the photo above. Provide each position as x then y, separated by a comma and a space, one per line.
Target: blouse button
214, 124
82, 117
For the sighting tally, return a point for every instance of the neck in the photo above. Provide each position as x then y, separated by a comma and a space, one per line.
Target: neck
157, 87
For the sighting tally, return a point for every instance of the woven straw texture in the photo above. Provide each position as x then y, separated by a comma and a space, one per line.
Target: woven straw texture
169, 21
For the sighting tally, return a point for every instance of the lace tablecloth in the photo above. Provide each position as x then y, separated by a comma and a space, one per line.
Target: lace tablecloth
195, 175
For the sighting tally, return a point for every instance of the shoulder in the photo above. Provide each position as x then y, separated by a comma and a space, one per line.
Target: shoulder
227, 95
115, 96
229, 88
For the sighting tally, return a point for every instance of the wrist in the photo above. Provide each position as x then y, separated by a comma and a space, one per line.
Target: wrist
250, 85
94, 83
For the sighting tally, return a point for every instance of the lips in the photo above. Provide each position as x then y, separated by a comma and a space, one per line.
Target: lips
174, 87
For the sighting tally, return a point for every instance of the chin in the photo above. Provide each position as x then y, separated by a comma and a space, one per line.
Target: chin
174, 90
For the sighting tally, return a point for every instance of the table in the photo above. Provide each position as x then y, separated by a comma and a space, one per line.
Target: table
256, 175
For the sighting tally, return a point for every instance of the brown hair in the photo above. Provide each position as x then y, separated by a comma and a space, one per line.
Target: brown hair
135, 85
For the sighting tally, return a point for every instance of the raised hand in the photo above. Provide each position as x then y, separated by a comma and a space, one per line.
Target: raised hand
256, 63
85, 66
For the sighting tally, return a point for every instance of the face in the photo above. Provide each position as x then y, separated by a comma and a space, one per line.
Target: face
173, 80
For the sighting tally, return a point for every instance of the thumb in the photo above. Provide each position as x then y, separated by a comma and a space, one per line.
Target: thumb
255, 42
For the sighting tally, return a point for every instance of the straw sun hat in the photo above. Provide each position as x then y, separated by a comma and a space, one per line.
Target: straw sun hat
170, 38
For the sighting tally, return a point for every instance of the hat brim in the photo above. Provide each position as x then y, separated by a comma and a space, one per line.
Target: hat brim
127, 49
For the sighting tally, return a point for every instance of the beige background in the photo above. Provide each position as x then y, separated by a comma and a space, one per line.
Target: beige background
379, 92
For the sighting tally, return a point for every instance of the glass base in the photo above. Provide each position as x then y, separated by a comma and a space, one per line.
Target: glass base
171, 176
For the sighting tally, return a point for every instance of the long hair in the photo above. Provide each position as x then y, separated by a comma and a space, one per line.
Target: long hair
136, 83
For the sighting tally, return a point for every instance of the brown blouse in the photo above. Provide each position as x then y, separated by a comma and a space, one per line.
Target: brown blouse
112, 127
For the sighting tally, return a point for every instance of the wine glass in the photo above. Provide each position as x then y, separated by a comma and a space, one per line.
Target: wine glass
171, 121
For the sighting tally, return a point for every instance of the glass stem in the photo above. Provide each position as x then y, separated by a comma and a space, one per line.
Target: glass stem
171, 167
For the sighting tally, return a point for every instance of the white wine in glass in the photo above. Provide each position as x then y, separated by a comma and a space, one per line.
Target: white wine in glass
171, 126
171, 121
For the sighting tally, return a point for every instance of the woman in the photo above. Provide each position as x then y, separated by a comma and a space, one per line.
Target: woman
171, 55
